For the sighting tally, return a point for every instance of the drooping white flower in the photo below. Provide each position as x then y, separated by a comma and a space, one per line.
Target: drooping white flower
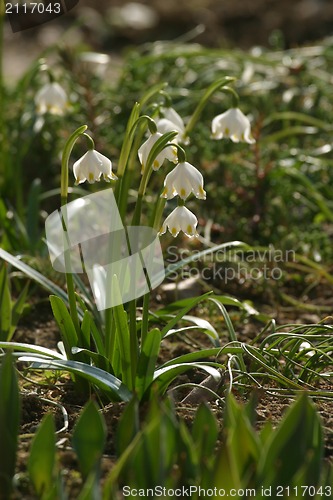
232, 124
170, 122
169, 153
51, 98
183, 180
91, 166
180, 219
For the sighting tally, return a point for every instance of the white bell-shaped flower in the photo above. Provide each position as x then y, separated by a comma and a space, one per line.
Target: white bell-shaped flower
180, 219
183, 180
51, 98
232, 124
169, 153
91, 166
172, 122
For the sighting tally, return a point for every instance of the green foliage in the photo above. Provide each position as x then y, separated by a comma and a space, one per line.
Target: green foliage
9, 424
10, 311
42, 460
298, 440
165, 453
275, 192
89, 439
65, 324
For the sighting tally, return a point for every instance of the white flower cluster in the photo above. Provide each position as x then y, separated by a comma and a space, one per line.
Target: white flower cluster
183, 180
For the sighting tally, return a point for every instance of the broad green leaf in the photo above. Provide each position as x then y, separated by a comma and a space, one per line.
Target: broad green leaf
65, 323
9, 424
226, 475
297, 443
42, 351
103, 380
190, 304
5, 305
200, 324
88, 439
241, 439
204, 432
91, 489
165, 375
128, 426
98, 360
42, 458
122, 336
147, 361
34, 275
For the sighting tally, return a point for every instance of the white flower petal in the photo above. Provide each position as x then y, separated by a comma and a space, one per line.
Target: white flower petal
51, 98
169, 153
91, 166
183, 180
180, 219
170, 122
232, 124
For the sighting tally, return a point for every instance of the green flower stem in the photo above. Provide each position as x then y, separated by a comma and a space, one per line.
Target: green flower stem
155, 221
161, 143
91, 144
64, 198
134, 345
214, 87
145, 318
234, 96
180, 153
127, 144
152, 92
158, 212
122, 193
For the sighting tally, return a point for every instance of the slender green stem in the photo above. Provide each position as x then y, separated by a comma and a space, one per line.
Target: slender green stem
234, 96
122, 193
134, 347
91, 144
127, 144
158, 212
145, 318
219, 84
161, 143
64, 198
